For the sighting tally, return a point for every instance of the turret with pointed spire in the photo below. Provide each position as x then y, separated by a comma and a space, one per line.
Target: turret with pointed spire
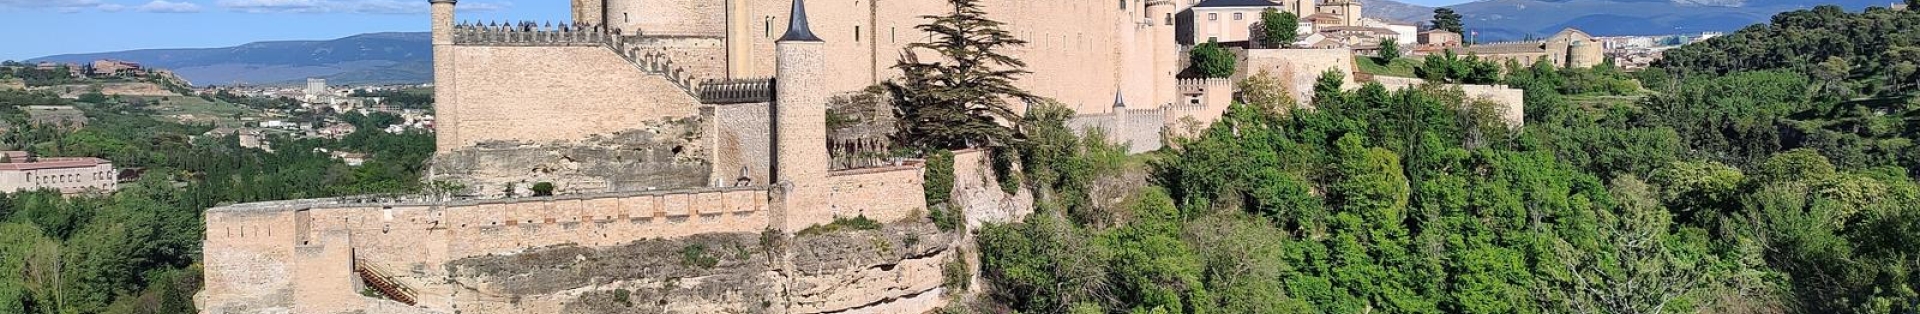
797, 29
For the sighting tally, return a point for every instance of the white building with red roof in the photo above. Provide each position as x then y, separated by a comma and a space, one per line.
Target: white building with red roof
20, 171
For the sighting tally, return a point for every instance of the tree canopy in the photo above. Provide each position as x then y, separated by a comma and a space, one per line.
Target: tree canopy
963, 98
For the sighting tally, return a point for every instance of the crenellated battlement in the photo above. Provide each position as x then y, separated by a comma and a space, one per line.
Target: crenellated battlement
1197, 86
530, 33
716, 92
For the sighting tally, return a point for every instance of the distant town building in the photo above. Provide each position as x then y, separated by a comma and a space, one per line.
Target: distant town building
20, 171
1405, 34
1570, 48
1229, 21
108, 67
316, 87
56, 116
1439, 38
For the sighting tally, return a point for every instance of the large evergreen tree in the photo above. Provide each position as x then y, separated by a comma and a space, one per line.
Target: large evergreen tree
962, 98
1445, 19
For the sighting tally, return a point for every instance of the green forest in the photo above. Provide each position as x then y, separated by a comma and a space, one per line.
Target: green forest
1768, 171
135, 251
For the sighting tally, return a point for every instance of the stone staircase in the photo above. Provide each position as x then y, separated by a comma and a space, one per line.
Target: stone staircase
652, 60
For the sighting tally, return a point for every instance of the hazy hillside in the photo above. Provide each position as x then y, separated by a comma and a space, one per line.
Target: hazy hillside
365, 58
1500, 20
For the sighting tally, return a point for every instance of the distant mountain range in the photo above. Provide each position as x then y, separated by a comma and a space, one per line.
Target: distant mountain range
1503, 20
376, 58
383, 58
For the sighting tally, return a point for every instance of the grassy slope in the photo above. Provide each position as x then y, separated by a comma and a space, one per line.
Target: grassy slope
1402, 67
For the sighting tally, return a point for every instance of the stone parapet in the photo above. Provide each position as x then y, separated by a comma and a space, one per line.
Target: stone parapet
527, 33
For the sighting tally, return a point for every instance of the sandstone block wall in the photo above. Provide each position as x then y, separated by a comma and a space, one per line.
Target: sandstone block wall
703, 58
1511, 100
1142, 130
1074, 48
741, 139
1299, 68
884, 194
517, 93
668, 18
292, 255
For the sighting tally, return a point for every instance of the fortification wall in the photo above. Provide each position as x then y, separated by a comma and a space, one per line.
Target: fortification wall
702, 58
1074, 48
741, 139
1300, 68
883, 194
516, 94
1205, 101
295, 254
1511, 100
1142, 130
668, 18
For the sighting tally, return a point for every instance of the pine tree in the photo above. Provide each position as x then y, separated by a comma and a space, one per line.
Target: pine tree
1445, 19
962, 98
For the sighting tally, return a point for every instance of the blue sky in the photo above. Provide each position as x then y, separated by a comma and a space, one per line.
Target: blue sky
36, 28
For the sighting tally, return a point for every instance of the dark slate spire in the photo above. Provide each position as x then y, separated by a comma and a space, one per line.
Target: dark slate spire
797, 29
1118, 101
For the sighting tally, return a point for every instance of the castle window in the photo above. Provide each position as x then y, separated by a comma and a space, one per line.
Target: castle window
856, 33
1123, 5
769, 29
1169, 18
1236, 16
1213, 16
893, 34
629, 17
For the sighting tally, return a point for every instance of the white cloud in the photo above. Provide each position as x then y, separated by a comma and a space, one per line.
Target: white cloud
164, 6
347, 6
111, 7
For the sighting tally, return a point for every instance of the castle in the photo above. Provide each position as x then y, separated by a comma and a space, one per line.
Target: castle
701, 125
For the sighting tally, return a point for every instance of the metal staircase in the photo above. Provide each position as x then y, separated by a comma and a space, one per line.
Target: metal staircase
382, 281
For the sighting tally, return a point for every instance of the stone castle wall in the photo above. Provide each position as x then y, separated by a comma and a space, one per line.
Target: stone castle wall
517, 93
741, 136
1511, 100
1075, 48
1142, 130
294, 254
883, 194
705, 18
1298, 69
702, 58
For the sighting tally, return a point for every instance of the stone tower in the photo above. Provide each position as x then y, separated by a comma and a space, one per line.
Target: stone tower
800, 158
1351, 12
800, 113
1159, 44
590, 11
443, 76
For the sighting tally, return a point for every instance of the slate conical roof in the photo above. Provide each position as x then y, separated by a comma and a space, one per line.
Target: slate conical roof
1118, 101
797, 29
